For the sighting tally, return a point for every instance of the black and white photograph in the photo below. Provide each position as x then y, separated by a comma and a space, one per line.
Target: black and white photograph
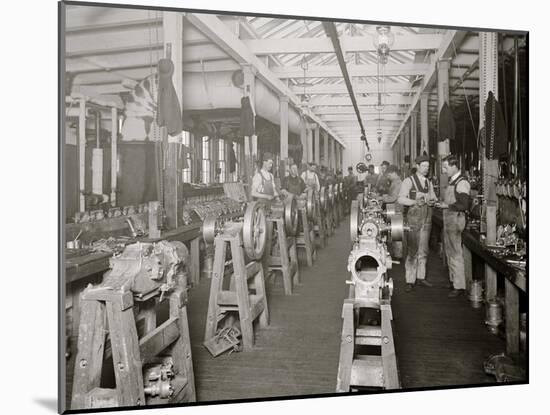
262, 206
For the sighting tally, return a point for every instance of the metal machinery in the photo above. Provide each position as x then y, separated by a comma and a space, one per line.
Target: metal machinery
152, 363
305, 236
320, 227
367, 353
281, 254
245, 293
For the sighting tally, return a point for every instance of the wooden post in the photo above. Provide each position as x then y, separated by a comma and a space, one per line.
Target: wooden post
347, 344
82, 153
283, 108
303, 139
332, 159
512, 318
488, 81
317, 144
467, 266
114, 154
172, 24
309, 134
443, 67
490, 283
424, 137
413, 135
251, 148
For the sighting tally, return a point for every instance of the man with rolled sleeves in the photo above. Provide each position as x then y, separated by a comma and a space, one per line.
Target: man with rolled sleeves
456, 200
263, 183
417, 196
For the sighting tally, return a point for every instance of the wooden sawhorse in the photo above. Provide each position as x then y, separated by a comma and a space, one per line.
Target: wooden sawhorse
237, 297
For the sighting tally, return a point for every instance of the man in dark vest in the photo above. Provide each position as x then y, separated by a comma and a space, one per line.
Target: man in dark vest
417, 196
293, 183
263, 183
456, 200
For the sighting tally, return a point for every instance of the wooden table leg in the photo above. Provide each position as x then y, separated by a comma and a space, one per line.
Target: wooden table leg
490, 283
512, 318
467, 266
195, 261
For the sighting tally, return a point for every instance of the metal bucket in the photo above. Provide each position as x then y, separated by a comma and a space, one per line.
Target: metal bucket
207, 264
494, 315
476, 293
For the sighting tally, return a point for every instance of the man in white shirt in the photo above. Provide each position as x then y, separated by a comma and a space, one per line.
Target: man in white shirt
310, 178
417, 196
263, 183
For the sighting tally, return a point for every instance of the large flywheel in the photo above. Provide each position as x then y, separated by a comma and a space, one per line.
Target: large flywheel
310, 204
291, 215
254, 230
354, 220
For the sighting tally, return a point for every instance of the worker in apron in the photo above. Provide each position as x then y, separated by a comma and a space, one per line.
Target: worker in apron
417, 196
263, 183
456, 200
293, 183
311, 179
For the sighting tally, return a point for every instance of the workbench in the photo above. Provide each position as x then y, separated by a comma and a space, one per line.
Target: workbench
515, 279
78, 269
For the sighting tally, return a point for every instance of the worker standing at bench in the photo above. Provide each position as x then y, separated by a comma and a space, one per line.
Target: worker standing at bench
263, 183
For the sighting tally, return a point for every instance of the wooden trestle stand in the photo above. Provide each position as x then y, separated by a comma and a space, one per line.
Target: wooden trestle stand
367, 350
245, 293
320, 227
305, 236
152, 367
282, 224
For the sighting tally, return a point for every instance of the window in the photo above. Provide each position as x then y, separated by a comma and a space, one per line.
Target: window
221, 160
237, 150
186, 174
205, 165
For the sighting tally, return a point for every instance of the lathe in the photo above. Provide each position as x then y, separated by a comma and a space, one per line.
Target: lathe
367, 352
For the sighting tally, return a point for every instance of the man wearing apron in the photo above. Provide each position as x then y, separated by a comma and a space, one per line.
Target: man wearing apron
293, 183
263, 183
417, 196
455, 204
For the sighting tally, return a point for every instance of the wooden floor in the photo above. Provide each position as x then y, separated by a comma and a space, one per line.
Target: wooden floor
439, 341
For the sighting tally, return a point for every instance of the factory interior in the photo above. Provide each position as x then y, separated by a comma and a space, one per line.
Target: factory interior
265, 207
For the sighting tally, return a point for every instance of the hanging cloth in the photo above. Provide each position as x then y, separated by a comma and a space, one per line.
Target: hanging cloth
446, 124
169, 110
496, 141
232, 159
247, 118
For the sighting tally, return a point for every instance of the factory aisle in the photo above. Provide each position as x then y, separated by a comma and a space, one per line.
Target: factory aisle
298, 353
439, 341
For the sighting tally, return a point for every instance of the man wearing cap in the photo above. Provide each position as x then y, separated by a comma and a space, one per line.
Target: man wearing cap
310, 178
371, 179
382, 182
455, 204
263, 183
350, 182
417, 196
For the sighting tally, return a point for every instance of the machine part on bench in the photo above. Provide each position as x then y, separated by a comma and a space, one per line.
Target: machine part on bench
354, 220
291, 215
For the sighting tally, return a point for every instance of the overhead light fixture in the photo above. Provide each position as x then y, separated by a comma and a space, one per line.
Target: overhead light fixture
383, 41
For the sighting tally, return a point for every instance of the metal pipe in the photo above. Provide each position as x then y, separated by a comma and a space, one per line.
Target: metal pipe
331, 31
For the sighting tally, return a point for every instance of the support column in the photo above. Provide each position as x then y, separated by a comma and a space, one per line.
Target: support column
325, 148
283, 107
303, 139
82, 154
316, 133
309, 134
114, 153
443, 148
332, 159
250, 143
413, 134
424, 129
172, 24
488, 81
